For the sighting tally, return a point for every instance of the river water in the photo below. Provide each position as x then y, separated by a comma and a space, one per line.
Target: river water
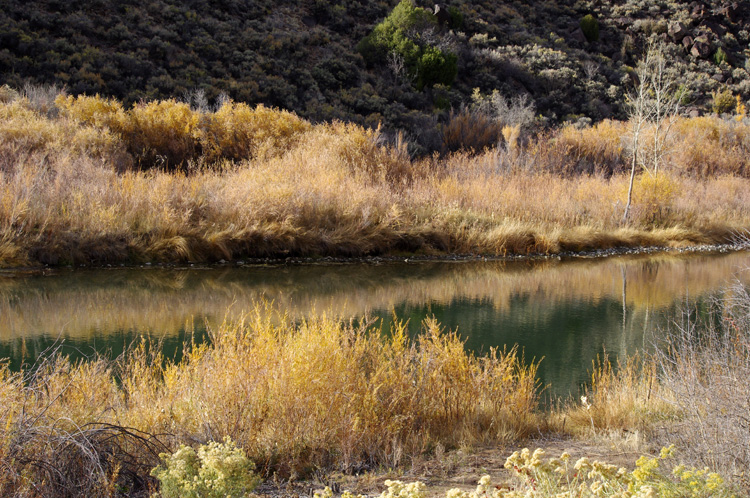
563, 313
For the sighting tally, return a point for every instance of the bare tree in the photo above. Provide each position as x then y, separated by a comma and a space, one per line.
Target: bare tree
653, 105
665, 103
397, 65
638, 115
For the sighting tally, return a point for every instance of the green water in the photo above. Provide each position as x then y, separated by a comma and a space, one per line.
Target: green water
563, 313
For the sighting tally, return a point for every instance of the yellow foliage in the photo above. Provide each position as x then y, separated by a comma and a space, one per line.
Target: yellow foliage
599, 147
92, 110
292, 395
169, 133
24, 130
740, 110
511, 134
238, 131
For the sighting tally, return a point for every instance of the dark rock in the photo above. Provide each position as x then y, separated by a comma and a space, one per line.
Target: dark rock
698, 11
309, 21
701, 50
715, 28
731, 12
702, 38
677, 31
578, 35
442, 14
622, 22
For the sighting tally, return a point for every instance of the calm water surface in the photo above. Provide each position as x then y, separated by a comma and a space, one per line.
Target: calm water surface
565, 313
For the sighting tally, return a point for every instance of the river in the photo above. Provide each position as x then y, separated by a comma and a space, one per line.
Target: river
563, 313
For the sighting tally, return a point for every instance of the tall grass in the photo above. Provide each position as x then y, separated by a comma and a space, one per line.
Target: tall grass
705, 365
691, 392
294, 396
99, 183
626, 398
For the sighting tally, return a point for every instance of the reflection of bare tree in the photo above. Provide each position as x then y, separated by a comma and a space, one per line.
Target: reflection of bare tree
624, 296
156, 300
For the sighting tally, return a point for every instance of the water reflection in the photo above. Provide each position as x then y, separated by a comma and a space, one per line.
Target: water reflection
566, 312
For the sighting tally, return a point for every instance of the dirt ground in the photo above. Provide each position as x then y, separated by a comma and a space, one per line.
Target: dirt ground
461, 468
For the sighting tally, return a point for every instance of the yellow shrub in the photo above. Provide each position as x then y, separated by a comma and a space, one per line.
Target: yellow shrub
24, 130
653, 196
238, 131
162, 133
596, 148
709, 145
92, 110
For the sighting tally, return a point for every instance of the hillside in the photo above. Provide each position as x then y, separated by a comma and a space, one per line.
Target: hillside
302, 55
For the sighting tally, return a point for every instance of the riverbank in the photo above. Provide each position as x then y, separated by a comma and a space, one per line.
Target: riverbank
88, 183
314, 402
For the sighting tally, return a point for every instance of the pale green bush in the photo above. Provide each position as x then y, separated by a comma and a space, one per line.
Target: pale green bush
651, 477
536, 477
219, 470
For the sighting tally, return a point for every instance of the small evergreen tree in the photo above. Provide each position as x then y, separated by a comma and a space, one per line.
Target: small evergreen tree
403, 33
590, 27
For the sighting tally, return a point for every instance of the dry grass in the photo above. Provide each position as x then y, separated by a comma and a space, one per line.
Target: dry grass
705, 366
261, 182
628, 398
701, 147
296, 397
691, 392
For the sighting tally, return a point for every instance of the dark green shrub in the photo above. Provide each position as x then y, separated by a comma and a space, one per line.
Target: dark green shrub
401, 33
720, 56
590, 27
436, 66
457, 18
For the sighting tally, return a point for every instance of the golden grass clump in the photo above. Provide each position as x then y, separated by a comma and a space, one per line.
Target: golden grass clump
598, 148
294, 396
321, 393
170, 134
237, 131
626, 398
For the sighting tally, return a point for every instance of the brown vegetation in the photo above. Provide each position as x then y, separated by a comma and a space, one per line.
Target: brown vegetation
239, 182
295, 397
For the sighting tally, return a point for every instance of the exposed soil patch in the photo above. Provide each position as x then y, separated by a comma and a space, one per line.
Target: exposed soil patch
460, 468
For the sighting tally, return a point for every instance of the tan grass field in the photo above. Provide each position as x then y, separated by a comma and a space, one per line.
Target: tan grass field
91, 183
